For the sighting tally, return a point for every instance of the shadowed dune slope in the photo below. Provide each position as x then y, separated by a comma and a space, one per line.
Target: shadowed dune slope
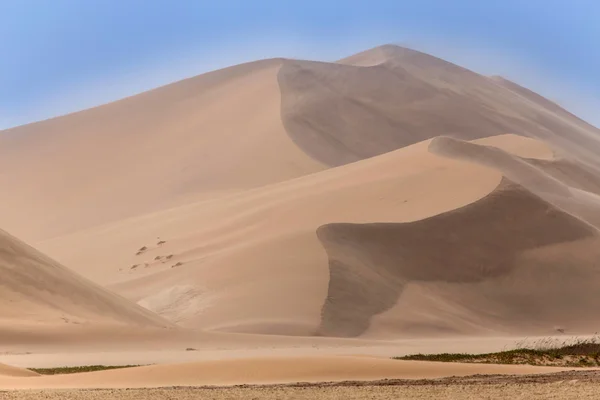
391, 97
486, 256
37, 292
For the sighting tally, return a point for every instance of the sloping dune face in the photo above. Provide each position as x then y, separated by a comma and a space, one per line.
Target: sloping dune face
520, 260
391, 97
467, 251
253, 262
35, 290
220, 132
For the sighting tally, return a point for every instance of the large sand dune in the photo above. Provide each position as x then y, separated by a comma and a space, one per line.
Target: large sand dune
387, 195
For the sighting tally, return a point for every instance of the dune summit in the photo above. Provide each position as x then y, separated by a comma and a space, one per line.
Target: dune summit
388, 195
391, 97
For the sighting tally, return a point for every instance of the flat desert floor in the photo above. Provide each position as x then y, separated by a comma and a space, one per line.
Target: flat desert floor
565, 385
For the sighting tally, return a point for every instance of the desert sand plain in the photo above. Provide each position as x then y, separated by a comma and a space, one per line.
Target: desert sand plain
291, 221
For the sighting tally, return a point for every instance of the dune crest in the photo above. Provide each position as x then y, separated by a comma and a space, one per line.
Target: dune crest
371, 265
541, 177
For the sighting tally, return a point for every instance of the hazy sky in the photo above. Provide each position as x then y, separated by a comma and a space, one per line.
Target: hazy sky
59, 56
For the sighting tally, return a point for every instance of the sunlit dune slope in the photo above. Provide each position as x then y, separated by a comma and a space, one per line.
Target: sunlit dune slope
37, 293
216, 133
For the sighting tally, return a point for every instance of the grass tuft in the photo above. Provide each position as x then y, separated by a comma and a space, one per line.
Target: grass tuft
575, 352
76, 370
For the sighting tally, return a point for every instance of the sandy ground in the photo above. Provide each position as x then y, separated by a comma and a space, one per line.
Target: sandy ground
265, 370
557, 386
505, 391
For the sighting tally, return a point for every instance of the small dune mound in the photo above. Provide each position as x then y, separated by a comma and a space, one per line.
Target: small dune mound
37, 290
9, 371
374, 266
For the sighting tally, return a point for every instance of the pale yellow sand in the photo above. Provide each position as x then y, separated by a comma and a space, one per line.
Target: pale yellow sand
264, 370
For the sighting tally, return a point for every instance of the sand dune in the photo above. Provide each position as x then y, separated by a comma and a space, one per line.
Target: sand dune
242, 252
273, 244
388, 195
265, 371
542, 178
219, 132
252, 125
391, 97
9, 371
478, 263
37, 295
234, 250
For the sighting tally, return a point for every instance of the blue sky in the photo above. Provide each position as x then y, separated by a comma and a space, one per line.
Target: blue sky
60, 56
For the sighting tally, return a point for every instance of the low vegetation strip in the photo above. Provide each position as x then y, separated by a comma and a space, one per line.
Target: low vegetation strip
76, 370
546, 352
